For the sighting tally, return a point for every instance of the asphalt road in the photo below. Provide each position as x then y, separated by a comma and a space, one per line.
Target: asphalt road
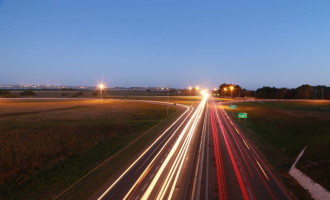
155, 173
241, 172
202, 155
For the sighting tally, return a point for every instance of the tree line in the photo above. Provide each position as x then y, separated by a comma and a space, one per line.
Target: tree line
302, 92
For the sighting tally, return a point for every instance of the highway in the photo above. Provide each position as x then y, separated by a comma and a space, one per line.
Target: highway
241, 172
202, 155
156, 171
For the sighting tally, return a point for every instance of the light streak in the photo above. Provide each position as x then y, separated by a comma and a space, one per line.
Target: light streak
123, 174
233, 161
219, 164
251, 158
262, 170
167, 187
145, 172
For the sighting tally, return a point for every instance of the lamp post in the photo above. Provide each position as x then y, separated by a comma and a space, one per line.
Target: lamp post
231, 90
101, 87
168, 98
315, 94
190, 90
225, 89
322, 93
215, 91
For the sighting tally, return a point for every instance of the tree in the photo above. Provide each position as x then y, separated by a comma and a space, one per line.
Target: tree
304, 92
266, 92
247, 93
281, 93
28, 93
224, 90
4, 93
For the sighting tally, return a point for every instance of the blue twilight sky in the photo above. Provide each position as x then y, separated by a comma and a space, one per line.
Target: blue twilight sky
281, 43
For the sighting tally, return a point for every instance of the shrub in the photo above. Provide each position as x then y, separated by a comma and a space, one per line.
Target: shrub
27, 93
5, 93
78, 94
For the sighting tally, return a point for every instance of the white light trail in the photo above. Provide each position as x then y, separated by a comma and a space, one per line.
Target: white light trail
123, 174
182, 147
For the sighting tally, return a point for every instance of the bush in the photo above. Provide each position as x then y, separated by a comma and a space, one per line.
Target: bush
27, 93
78, 94
4, 93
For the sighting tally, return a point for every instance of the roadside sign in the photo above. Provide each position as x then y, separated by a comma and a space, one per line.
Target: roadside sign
219, 99
233, 106
242, 115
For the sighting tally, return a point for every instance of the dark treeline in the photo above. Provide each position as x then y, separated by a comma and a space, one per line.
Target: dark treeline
301, 92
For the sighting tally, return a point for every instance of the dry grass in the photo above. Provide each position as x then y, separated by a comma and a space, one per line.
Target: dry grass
38, 135
185, 100
282, 129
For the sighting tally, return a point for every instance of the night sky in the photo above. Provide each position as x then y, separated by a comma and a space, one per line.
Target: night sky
279, 43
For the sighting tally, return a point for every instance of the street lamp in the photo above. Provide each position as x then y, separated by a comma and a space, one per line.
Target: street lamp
190, 90
196, 89
215, 91
225, 89
101, 86
231, 90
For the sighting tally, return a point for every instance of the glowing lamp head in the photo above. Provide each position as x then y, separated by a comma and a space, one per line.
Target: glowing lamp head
101, 86
232, 88
225, 89
190, 88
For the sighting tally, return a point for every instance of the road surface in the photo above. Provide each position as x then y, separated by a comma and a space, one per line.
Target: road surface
202, 155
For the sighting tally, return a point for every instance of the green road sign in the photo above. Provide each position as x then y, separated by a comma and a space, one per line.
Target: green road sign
242, 115
219, 99
233, 106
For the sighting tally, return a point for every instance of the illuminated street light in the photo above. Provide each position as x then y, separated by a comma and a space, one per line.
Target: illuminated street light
203, 92
224, 89
190, 90
101, 87
231, 90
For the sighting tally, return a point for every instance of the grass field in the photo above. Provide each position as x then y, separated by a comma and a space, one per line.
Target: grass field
282, 129
69, 93
185, 100
48, 144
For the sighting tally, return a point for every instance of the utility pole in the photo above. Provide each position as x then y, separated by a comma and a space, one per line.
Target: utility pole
168, 98
315, 94
322, 93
